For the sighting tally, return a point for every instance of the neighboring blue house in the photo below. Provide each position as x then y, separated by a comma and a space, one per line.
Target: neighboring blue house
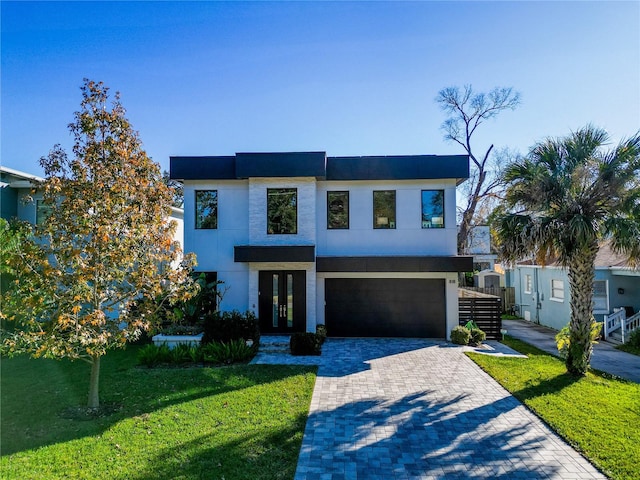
16, 197
365, 245
542, 293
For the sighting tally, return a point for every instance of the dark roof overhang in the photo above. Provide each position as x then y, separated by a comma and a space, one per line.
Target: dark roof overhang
395, 264
317, 165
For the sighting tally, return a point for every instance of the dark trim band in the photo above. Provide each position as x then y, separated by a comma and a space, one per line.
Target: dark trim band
395, 264
289, 253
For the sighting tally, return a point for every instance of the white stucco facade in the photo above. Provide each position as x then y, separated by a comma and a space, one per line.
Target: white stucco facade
242, 222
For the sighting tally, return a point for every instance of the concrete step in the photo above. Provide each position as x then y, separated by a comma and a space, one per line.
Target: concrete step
274, 344
615, 339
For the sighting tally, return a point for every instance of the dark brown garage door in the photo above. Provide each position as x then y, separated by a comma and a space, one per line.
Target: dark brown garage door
385, 307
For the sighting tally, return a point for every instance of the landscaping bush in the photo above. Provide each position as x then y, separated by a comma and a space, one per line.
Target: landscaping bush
321, 331
151, 355
305, 344
181, 353
477, 336
229, 352
634, 339
563, 337
460, 335
228, 326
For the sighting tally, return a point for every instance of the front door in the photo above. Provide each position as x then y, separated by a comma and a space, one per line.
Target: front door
282, 301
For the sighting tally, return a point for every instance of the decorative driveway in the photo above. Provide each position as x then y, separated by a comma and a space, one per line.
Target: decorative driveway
412, 408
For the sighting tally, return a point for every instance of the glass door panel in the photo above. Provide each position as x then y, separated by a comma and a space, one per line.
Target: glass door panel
275, 284
289, 300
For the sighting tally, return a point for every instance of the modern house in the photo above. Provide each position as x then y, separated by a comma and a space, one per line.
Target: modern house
365, 245
542, 293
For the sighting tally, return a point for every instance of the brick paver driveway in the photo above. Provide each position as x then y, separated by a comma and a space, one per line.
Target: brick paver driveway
406, 408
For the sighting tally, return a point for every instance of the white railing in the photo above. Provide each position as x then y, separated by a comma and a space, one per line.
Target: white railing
614, 321
630, 324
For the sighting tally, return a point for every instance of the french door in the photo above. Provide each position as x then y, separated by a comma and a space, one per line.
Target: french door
282, 299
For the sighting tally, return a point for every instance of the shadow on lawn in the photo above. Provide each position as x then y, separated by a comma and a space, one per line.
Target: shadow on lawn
37, 394
431, 437
548, 386
255, 455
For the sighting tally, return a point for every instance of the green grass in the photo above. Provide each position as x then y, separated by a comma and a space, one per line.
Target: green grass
599, 415
235, 422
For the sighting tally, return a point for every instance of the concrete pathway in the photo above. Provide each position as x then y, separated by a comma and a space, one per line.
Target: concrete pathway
605, 356
420, 409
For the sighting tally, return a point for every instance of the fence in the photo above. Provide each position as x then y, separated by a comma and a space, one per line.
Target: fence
506, 294
485, 310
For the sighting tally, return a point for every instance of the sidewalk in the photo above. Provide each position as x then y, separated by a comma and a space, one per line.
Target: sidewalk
605, 357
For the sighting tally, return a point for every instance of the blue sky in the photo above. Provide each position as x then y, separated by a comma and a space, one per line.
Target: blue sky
348, 78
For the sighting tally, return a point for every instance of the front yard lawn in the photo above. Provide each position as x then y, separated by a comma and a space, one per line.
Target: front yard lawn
598, 415
237, 422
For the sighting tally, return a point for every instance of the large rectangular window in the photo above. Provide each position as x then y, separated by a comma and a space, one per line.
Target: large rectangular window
384, 209
557, 290
432, 208
282, 210
207, 209
337, 210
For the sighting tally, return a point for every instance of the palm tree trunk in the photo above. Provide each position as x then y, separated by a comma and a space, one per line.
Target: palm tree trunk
94, 398
581, 275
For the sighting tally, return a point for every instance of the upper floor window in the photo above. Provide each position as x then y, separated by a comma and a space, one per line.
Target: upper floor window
282, 210
337, 210
557, 290
528, 284
432, 208
384, 209
42, 212
207, 209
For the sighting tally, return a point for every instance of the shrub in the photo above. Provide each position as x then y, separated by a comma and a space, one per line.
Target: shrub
196, 355
634, 339
228, 326
563, 337
477, 336
181, 353
460, 335
151, 355
229, 352
321, 331
305, 344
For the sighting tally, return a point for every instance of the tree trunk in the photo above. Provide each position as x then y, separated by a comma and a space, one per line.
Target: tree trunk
581, 276
94, 398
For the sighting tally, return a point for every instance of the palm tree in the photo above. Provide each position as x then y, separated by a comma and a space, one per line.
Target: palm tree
562, 201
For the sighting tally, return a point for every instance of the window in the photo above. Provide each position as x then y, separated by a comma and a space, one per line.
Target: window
600, 297
42, 211
557, 290
432, 208
282, 211
528, 284
207, 209
384, 209
337, 210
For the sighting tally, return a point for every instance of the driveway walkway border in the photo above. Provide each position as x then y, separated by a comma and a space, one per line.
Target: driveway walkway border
420, 409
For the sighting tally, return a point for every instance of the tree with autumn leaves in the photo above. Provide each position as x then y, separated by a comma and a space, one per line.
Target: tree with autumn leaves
95, 273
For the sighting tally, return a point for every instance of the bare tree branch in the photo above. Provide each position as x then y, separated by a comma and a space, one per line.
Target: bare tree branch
467, 111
